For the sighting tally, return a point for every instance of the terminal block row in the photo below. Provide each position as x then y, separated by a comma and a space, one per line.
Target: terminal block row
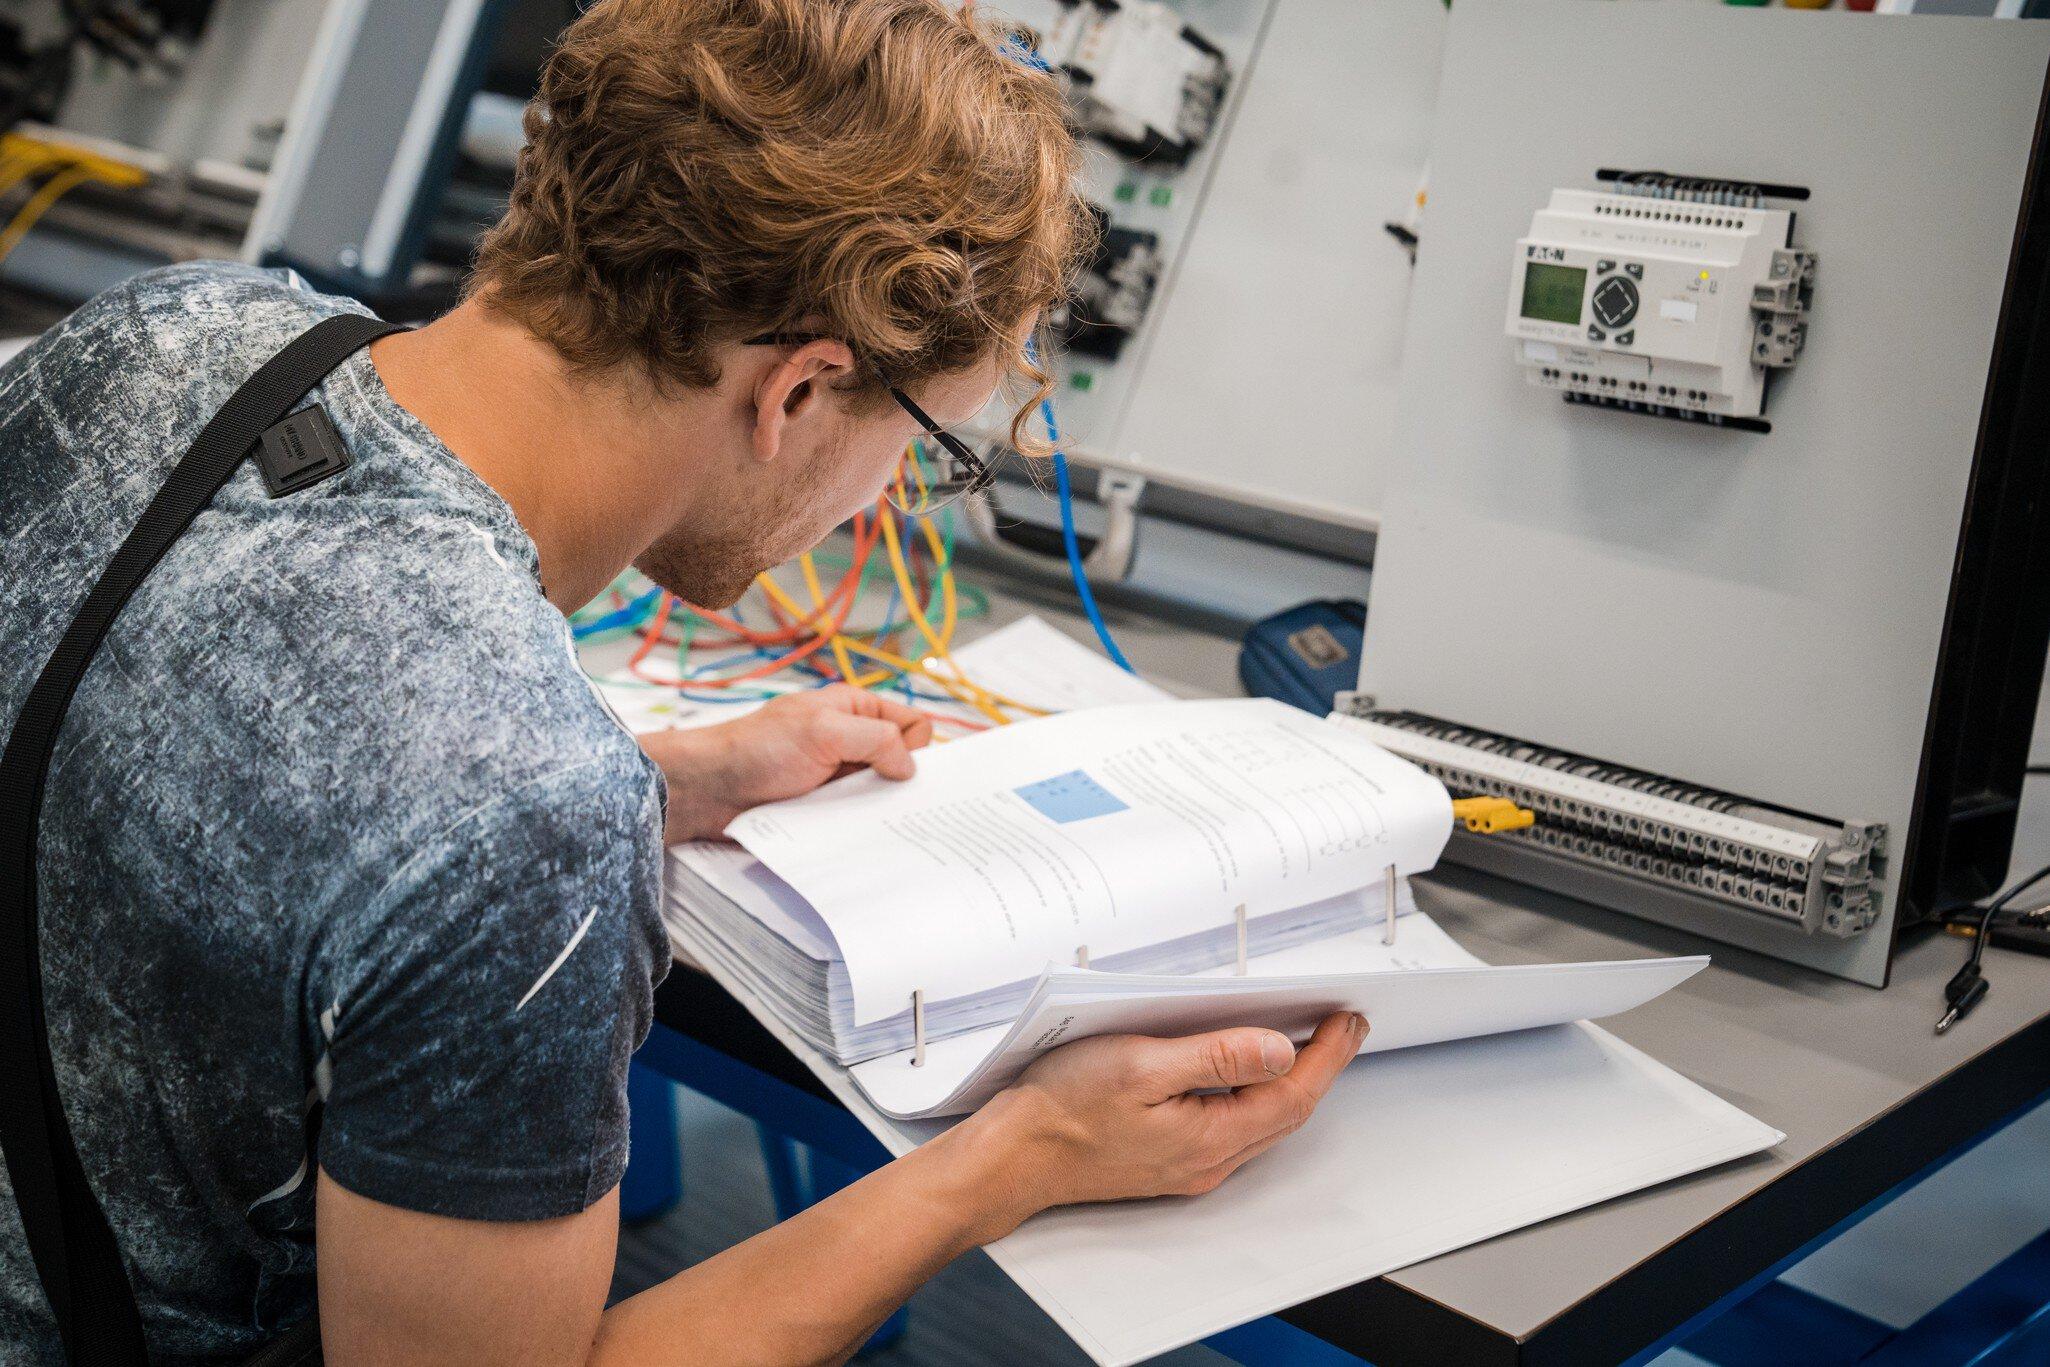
1821, 875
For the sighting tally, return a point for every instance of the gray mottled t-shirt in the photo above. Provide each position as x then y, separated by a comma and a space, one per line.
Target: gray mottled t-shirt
342, 863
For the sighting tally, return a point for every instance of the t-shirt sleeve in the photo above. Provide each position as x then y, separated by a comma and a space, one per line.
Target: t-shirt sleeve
478, 1026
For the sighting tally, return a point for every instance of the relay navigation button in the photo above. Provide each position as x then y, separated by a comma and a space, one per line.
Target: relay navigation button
1615, 301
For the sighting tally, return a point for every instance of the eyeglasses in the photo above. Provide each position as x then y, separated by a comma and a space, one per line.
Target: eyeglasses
927, 480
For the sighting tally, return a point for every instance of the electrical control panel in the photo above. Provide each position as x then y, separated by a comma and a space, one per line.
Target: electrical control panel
1664, 295
1152, 87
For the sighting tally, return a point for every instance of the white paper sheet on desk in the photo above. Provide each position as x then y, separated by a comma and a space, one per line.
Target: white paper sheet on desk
1412, 1154
1079, 830
1406, 1009
1040, 666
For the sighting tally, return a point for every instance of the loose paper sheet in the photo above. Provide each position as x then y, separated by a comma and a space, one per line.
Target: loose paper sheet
1405, 1009
1412, 1154
1115, 828
1043, 668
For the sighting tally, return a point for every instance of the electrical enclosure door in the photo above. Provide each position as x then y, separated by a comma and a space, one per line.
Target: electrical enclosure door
1754, 612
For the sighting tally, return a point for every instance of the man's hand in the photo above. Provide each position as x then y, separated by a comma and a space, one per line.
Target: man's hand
1125, 1116
786, 748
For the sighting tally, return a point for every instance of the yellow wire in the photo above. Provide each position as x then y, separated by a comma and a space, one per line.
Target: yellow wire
818, 604
960, 687
43, 151
859, 647
957, 692
16, 167
903, 573
39, 204
21, 157
939, 640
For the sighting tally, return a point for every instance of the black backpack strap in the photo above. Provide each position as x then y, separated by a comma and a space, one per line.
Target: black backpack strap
75, 1253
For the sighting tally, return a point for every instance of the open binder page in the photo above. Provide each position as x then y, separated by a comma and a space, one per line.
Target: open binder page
1404, 1008
1413, 1153
1112, 828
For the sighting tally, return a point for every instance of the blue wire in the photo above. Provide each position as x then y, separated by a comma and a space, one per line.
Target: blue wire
627, 615
1023, 52
1080, 575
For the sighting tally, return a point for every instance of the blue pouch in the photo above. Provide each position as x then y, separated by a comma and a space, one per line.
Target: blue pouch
1305, 655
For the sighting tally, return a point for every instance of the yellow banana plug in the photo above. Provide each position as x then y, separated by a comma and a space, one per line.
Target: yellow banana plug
1492, 815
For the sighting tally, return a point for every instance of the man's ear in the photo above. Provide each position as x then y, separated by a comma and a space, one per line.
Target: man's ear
793, 392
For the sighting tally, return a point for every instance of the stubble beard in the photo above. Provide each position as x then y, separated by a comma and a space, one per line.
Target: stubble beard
711, 561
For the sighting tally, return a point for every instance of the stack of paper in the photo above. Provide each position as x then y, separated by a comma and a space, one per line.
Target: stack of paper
768, 936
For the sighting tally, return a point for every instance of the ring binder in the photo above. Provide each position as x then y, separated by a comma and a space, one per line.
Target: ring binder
918, 1028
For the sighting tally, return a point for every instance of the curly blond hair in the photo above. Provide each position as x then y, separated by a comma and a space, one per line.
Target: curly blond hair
698, 172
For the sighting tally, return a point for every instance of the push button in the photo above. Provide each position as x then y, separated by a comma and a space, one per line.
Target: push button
1595, 334
1634, 269
1615, 301
1626, 338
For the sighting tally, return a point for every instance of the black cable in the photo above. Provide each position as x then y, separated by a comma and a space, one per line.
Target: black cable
1968, 987
2037, 769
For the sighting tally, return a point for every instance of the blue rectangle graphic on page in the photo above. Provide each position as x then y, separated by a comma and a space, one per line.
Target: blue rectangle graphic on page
1073, 796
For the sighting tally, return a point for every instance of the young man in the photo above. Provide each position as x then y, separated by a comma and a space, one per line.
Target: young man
349, 908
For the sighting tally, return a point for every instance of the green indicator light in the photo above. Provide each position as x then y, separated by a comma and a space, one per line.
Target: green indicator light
1162, 196
1082, 380
1126, 192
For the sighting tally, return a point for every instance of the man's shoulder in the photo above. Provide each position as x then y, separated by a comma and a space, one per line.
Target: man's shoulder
169, 345
226, 298
441, 677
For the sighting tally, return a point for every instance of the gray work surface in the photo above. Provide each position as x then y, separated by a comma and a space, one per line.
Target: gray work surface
1816, 1057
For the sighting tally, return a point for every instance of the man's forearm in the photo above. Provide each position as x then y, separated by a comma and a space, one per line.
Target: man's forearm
812, 1288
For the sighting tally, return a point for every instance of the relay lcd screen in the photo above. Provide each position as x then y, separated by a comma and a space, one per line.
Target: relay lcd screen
1552, 294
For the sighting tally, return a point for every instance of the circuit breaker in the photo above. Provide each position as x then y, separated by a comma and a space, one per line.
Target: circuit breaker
1665, 295
1146, 83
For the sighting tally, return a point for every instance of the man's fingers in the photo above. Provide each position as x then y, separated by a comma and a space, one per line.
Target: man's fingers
1164, 1068
914, 725
866, 740
1274, 1108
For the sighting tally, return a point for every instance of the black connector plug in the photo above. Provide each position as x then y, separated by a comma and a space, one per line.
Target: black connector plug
1964, 991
